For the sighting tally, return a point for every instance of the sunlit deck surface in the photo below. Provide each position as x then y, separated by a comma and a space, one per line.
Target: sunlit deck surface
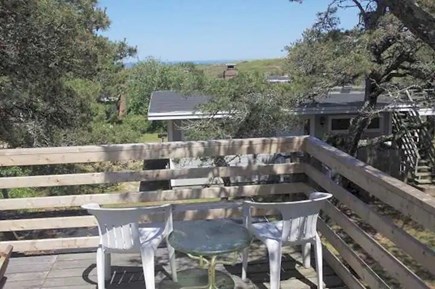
77, 270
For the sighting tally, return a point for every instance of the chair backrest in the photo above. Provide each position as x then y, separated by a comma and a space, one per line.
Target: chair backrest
299, 219
119, 227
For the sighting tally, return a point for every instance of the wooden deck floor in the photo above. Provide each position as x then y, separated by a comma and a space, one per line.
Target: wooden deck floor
77, 271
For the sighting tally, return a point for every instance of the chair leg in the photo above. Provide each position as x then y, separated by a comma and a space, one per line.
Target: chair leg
107, 266
274, 251
147, 255
100, 268
319, 262
245, 263
306, 254
172, 263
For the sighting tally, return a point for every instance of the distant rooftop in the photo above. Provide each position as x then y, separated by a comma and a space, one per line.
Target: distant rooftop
167, 104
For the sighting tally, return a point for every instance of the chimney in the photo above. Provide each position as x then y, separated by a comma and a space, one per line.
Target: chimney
230, 71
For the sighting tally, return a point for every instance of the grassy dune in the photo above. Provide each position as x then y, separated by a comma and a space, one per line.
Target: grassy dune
262, 66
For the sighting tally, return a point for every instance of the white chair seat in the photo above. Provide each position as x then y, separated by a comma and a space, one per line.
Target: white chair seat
267, 230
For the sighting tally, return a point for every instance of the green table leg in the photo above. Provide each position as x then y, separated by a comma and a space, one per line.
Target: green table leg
196, 278
212, 274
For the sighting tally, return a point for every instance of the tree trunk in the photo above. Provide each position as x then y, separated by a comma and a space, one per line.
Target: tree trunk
417, 20
361, 121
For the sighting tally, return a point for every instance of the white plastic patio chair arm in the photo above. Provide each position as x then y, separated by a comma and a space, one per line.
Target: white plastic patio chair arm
246, 211
169, 224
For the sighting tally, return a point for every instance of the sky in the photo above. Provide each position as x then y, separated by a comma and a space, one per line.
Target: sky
207, 30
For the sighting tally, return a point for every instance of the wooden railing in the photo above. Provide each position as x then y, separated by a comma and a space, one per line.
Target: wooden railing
408, 201
128, 152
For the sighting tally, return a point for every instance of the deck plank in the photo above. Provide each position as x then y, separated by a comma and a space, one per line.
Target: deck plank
78, 271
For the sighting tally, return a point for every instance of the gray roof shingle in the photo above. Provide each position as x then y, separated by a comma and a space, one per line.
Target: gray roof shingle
170, 103
165, 101
352, 99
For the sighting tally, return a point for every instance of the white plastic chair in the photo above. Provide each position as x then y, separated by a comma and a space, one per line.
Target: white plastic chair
297, 227
120, 232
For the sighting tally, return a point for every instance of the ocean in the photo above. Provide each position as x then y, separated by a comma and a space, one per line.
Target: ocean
197, 62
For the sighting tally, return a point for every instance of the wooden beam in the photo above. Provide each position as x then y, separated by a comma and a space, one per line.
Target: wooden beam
404, 198
148, 175
341, 270
5, 254
358, 265
152, 196
422, 253
391, 264
124, 152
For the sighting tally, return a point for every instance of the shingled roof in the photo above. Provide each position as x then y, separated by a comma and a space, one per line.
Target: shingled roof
165, 105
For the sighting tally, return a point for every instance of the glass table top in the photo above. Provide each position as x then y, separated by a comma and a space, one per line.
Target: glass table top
209, 237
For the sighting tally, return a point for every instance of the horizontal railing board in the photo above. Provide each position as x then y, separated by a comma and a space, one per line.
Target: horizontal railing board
148, 175
92, 241
351, 257
408, 200
341, 270
181, 212
49, 245
422, 253
124, 152
152, 196
47, 223
389, 263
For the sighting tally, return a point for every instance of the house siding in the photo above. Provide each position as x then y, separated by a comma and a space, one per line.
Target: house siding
322, 129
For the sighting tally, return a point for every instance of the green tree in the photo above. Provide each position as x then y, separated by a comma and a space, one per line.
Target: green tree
151, 75
46, 46
418, 16
252, 108
379, 52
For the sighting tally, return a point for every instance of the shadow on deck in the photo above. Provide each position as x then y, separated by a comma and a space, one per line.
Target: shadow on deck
78, 271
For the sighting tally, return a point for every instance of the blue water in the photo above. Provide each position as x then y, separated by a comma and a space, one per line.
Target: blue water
197, 62
205, 62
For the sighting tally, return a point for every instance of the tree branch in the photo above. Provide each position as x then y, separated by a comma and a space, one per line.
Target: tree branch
404, 56
375, 141
417, 20
361, 9
392, 75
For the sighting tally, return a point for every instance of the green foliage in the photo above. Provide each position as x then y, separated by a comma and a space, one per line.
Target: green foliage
128, 130
46, 45
380, 49
252, 106
320, 61
380, 53
152, 75
24, 193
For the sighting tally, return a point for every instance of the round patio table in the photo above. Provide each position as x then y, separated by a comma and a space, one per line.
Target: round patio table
205, 240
